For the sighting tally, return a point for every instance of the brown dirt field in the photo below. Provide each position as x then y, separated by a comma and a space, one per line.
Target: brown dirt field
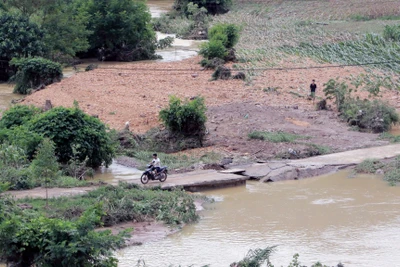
136, 92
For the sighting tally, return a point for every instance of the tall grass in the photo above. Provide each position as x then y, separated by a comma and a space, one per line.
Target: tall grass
276, 137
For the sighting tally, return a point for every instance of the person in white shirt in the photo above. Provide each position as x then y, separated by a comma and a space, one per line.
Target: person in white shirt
156, 163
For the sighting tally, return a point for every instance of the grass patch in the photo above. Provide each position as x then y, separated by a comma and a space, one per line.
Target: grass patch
176, 161
276, 137
390, 137
392, 177
68, 181
369, 166
122, 203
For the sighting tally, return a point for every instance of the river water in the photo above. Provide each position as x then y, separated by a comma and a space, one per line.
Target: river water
329, 218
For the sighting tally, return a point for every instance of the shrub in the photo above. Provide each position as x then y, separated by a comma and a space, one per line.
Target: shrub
376, 116
188, 118
337, 91
22, 137
212, 6
18, 115
392, 176
69, 126
228, 34
213, 49
34, 72
40, 241
212, 63
222, 73
392, 33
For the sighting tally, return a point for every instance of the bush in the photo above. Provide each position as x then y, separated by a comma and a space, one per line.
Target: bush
40, 241
392, 33
212, 6
188, 118
22, 137
69, 126
392, 176
18, 115
213, 49
228, 34
212, 63
34, 72
376, 116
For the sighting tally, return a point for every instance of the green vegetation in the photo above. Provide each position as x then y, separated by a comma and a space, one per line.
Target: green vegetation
369, 166
276, 137
376, 116
33, 73
187, 118
126, 202
223, 37
392, 33
390, 169
261, 257
28, 238
80, 141
392, 138
213, 7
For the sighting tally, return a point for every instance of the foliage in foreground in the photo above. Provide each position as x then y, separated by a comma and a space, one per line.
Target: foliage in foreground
33, 73
187, 118
126, 202
27, 239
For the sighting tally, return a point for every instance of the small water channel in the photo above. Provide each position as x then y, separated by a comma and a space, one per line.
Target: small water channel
329, 218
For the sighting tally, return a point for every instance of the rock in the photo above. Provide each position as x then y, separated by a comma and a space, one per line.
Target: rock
379, 172
47, 105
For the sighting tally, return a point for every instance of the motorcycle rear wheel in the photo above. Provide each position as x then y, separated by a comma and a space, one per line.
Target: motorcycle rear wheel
144, 179
163, 177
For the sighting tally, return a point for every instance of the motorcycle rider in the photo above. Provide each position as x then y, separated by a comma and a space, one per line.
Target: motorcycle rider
156, 163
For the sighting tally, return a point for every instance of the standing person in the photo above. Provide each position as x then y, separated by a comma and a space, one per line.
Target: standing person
313, 87
156, 163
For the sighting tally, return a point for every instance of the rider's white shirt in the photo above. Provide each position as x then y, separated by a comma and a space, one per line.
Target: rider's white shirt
156, 162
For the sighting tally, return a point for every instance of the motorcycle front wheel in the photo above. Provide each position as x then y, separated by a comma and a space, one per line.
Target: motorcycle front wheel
163, 177
144, 179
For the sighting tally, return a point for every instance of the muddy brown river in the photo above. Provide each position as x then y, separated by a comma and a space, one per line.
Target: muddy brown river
330, 218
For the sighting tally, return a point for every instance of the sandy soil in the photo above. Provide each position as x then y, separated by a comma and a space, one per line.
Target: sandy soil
137, 92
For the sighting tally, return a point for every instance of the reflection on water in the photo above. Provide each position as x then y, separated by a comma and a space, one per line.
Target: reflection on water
329, 218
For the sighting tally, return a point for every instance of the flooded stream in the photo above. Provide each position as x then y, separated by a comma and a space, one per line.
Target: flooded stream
331, 218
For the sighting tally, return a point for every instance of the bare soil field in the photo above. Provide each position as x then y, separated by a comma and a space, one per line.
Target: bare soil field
275, 100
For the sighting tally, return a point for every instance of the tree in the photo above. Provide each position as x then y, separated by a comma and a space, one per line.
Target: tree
121, 29
71, 126
18, 38
45, 165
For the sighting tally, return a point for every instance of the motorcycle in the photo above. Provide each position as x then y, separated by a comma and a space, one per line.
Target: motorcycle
149, 174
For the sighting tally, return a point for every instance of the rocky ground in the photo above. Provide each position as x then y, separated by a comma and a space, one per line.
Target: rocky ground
274, 100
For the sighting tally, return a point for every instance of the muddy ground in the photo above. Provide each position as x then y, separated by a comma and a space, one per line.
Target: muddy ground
273, 100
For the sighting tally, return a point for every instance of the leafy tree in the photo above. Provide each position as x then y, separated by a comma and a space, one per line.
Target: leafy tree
121, 29
188, 118
34, 72
19, 37
69, 126
213, 6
